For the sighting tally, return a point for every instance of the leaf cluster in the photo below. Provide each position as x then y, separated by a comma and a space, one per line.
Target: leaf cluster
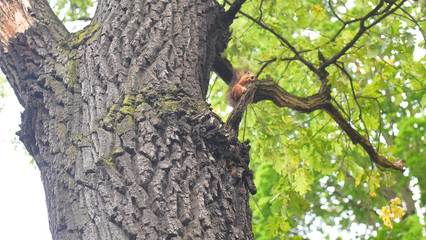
72, 10
308, 172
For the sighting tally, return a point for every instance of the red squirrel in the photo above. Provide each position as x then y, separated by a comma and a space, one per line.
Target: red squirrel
239, 85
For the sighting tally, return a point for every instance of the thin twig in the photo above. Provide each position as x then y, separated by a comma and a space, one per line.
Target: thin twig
354, 95
362, 29
266, 63
334, 13
260, 10
411, 18
341, 108
282, 39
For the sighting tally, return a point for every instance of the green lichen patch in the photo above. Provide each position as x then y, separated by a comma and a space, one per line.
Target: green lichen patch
128, 100
73, 54
108, 122
110, 162
184, 104
169, 100
86, 34
106, 159
117, 152
94, 37
127, 110
148, 103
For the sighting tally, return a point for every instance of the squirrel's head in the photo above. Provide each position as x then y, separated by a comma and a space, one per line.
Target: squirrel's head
249, 76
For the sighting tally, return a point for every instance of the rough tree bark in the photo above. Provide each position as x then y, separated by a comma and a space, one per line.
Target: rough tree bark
116, 120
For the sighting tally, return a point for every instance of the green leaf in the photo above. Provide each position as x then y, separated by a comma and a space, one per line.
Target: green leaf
356, 171
302, 181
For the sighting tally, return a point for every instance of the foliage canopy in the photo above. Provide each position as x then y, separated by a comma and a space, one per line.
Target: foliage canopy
308, 173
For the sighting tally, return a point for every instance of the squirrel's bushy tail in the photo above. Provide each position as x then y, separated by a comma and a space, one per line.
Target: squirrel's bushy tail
230, 98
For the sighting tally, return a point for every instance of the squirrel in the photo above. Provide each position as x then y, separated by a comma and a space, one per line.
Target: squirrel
239, 86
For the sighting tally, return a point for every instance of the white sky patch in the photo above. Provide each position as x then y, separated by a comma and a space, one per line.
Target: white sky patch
341, 9
311, 34
419, 52
350, 4
22, 205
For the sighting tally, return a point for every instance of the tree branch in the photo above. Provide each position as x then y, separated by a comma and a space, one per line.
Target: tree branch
343, 69
233, 10
270, 90
17, 16
362, 29
265, 64
357, 138
224, 69
282, 39
28, 30
411, 18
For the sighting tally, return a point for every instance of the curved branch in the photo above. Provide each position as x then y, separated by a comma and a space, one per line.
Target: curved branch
266, 63
334, 13
357, 138
270, 90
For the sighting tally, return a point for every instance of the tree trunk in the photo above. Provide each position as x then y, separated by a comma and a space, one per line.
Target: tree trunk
116, 119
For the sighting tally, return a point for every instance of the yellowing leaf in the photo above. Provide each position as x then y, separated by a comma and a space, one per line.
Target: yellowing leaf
398, 212
392, 212
396, 201
317, 9
384, 212
389, 61
388, 222
385, 215
374, 182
